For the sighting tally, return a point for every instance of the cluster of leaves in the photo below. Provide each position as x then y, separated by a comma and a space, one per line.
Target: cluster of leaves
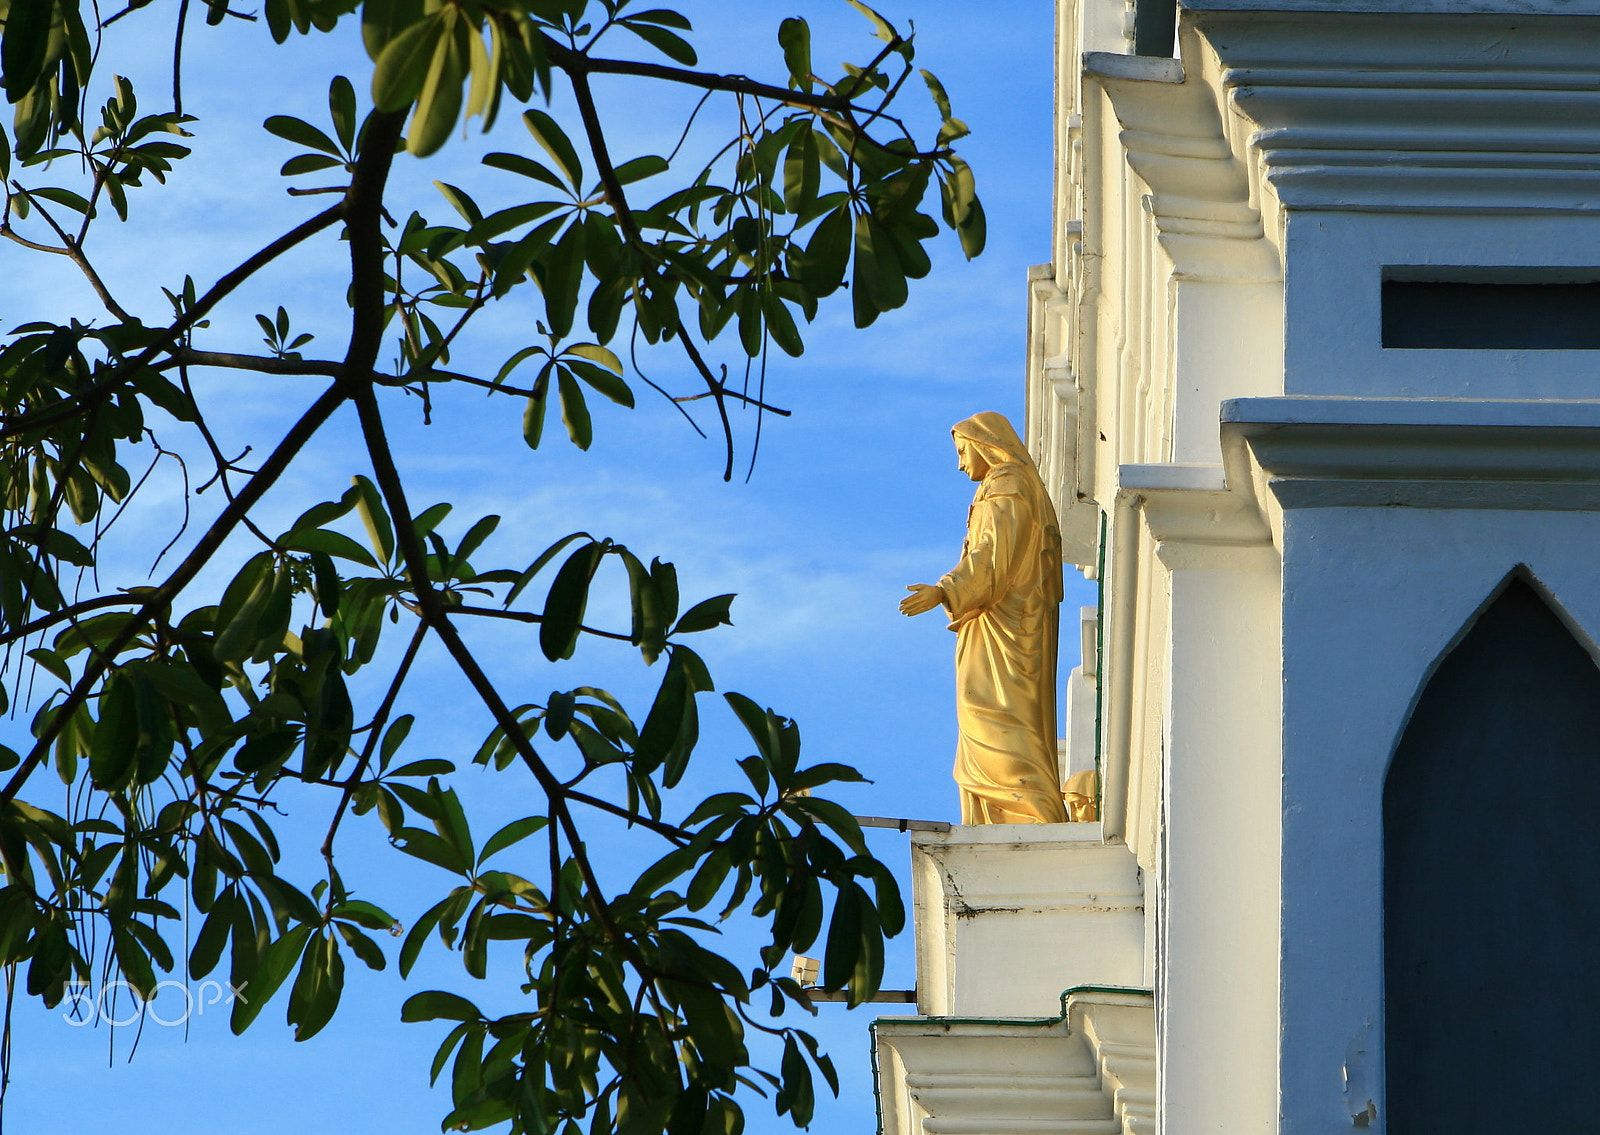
178, 719
804, 201
651, 1038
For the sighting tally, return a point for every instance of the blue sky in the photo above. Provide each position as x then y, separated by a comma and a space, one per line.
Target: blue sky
853, 497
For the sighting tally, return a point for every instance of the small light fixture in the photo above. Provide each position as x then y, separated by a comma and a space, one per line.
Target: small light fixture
805, 970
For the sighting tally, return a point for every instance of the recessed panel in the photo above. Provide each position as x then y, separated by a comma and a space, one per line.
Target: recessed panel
1480, 315
1491, 885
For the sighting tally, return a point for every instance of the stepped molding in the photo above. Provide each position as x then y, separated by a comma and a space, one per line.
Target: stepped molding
1090, 1071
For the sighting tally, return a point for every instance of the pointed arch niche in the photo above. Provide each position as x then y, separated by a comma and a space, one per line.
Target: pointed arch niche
1491, 877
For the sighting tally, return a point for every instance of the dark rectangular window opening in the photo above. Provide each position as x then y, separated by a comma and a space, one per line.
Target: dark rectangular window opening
1506, 309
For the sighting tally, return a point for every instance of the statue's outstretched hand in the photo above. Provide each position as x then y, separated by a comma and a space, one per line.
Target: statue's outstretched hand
924, 597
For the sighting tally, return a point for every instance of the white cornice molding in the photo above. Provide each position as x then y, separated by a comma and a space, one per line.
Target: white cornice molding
1311, 452
1405, 7
1091, 1071
1379, 109
1173, 137
1193, 511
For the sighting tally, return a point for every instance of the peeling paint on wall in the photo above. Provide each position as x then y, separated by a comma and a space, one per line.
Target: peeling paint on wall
1357, 1099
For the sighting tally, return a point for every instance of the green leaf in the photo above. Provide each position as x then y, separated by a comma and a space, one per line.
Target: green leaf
365, 914
533, 413
393, 738
568, 599
704, 615
974, 231
53, 662
403, 65
828, 253
276, 962
63, 197
881, 27
597, 354
460, 202
562, 279
574, 410
439, 100
27, 39
428, 766
430, 848
301, 133
317, 987
936, 89
663, 16
320, 514
794, 36
962, 209
242, 606
496, 224
430, 518
709, 878
638, 169
383, 20
342, 108
370, 507
330, 542
17, 920
513, 832
540, 561
113, 751
436, 1005
213, 935
674, 47
802, 173
549, 135
878, 271
825, 773
844, 825
362, 946
844, 938
796, 1096
418, 936
527, 167
474, 538
780, 324
758, 722
308, 163
133, 960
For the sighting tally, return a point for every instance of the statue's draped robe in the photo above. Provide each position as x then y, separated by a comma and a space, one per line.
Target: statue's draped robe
1003, 600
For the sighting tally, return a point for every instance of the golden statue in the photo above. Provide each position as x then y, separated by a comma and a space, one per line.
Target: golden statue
1082, 793
1003, 599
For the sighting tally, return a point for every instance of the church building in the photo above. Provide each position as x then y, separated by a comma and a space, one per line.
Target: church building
1314, 385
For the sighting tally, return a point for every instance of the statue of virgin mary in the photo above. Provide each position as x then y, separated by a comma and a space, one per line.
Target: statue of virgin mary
1003, 602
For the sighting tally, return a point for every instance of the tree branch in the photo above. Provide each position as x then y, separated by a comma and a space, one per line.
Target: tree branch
575, 63
717, 392
630, 228
436, 615
73, 252
373, 737
161, 597
37, 419
363, 210
66, 615
528, 617
737, 397
672, 832
188, 356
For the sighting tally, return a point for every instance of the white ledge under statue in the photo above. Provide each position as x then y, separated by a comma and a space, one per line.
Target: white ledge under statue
1003, 601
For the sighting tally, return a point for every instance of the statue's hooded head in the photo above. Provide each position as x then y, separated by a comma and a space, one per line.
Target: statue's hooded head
994, 439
